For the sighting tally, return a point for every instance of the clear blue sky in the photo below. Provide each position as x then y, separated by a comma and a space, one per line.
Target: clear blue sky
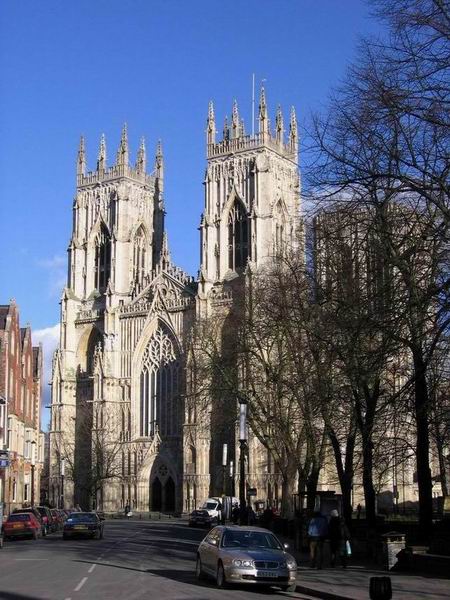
86, 66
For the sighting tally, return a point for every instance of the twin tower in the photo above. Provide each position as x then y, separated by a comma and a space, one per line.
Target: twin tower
127, 311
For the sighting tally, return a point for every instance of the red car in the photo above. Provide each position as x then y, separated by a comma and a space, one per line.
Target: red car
21, 525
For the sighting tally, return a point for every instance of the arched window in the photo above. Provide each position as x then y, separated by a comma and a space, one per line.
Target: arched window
102, 260
139, 256
238, 237
159, 387
279, 221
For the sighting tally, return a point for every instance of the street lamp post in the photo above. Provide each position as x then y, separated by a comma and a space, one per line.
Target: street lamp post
242, 452
63, 472
33, 468
224, 468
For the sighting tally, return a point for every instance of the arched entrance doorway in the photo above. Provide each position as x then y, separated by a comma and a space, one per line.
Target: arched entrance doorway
156, 495
162, 490
169, 495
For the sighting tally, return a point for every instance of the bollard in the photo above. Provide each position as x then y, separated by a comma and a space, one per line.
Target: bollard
380, 588
393, 543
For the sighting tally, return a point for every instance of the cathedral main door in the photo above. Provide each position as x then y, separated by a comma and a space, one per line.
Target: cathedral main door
162, 491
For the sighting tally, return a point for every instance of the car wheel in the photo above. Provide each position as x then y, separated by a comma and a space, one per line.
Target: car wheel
35, 535
221, 581
199, 569
289, 588
65, 537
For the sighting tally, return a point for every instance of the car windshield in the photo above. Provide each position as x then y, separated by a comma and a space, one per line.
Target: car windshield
210, 505
250, 539
83, 517
19, 517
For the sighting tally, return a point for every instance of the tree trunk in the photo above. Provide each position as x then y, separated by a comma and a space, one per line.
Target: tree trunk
345, 473
424, 482
369, 490
311, 487
287, 492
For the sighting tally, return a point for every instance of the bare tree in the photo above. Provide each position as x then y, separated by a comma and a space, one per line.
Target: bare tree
386, 139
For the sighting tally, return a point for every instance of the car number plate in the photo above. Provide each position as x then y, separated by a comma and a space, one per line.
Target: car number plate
80, 527
266, 574
17, 525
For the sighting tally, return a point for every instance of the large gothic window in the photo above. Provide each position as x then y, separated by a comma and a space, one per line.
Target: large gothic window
159, 387
139, 256
238, 237
102, 260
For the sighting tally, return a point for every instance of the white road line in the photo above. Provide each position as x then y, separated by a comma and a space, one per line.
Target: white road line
80, 585
31, 559
92, 568
67, 598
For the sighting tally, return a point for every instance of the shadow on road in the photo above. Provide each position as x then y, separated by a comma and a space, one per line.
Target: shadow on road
14, 596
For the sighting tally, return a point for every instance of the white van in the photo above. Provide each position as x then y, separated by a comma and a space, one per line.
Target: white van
213, 506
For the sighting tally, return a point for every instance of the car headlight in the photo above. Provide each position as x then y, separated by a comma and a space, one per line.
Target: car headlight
291, 564
246, 564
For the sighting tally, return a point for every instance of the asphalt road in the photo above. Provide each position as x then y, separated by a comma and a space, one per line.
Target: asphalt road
135, 560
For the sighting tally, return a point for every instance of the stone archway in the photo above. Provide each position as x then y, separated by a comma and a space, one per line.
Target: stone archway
169, 495
162, 488
156, 495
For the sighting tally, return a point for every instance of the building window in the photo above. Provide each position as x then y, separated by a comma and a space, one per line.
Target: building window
139, 256
102, 260
238, 237
159, 386
14, 490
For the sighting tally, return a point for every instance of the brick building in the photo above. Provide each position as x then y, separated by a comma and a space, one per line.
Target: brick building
20, 396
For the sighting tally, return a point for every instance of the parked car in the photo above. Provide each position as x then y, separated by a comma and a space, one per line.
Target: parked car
34, 511
21, 525
47, 519
83, 524
201, 518
253, 555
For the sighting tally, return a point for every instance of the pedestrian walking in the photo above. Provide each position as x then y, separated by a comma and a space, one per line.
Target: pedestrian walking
358, 510
317, 532
127, 510
339, 537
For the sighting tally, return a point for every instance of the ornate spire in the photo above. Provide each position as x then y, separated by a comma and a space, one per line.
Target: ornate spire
293, 133
263, 116
165, 259
242, 127
81, 160
226, 130
279, 126
235, 122
122, 152
159, 161
101, 161
211, 125
141, 160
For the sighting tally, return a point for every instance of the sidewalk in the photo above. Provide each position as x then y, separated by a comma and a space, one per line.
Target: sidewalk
353, 584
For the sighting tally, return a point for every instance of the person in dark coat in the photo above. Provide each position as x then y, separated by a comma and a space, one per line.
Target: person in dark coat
338, 535
317, 532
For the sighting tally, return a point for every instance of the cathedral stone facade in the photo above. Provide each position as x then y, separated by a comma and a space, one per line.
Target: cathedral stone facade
121, 429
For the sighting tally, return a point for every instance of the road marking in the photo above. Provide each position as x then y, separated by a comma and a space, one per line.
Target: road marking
67, 598
80, 585
92, 568
31, 559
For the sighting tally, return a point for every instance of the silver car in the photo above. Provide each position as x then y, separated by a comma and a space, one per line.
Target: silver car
233, 554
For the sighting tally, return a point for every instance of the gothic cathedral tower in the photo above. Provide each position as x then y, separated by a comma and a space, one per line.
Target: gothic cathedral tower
252, 195
117, 414
251, 212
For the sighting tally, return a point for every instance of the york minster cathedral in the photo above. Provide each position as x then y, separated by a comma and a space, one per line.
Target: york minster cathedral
121, 430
